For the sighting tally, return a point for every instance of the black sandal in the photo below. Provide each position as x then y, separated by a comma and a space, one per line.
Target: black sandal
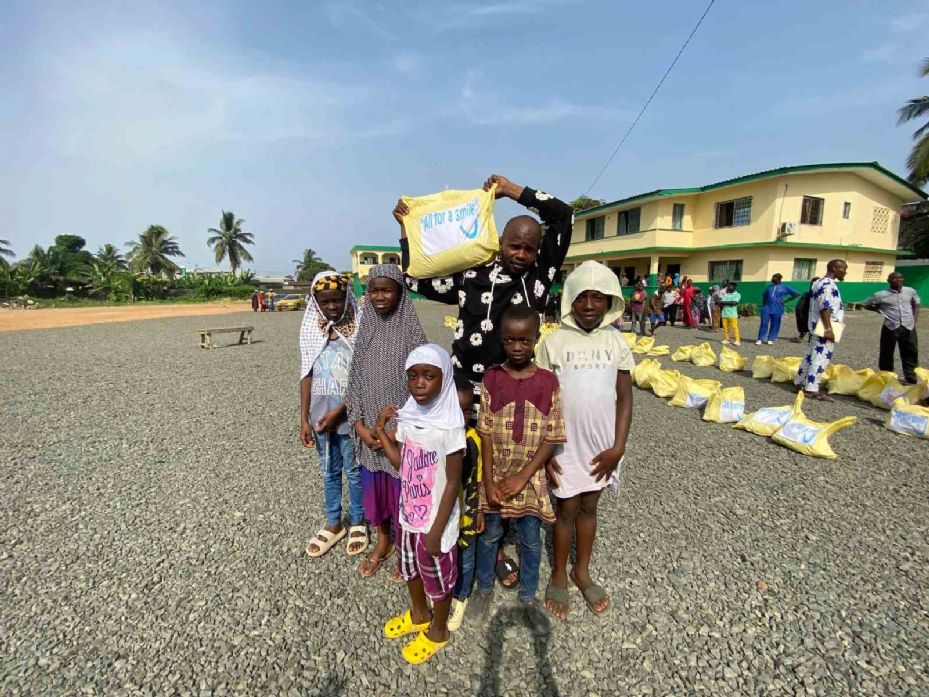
507, 567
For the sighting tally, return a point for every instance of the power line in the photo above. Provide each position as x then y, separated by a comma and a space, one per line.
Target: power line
649, 101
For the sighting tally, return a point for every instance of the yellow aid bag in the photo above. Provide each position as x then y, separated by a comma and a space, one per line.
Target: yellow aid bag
785, 369
450, 322
630, 338
662, 350
827, 374
762, 366
725, 406
664, 382
683, 353
894, 390
908, 419
809, 437
765, 421
693, 393
873, 385
703, 355
922, 374
642, 373
846, 381
643, 344
730, 360
450, 231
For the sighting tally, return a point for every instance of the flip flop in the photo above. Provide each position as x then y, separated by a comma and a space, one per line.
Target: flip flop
421, 649
374, 563
818, 396
324, 540
507, 567
357, 534
593, 594
558, 595
401, 625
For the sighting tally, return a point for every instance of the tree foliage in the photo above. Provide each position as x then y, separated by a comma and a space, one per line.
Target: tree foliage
914, 229
109, 256
229, 240
582, 203
5, 252
309, 266
918, 160
151, 253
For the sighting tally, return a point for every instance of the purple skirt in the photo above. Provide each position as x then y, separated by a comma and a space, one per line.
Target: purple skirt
380, 497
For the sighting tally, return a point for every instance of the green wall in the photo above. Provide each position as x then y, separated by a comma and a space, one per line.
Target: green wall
917, 277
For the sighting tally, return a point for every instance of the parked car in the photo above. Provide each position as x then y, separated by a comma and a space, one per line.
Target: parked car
290, 302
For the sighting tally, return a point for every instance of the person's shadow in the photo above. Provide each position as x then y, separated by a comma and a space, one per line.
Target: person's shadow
503, 619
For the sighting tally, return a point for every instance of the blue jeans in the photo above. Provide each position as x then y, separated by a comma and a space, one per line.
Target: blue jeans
466, 558
770, 325
337, 454
528, 534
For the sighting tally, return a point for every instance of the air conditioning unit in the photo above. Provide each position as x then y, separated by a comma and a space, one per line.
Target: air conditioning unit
787, 229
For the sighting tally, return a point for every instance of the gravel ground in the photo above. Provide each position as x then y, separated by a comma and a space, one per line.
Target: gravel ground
158, 504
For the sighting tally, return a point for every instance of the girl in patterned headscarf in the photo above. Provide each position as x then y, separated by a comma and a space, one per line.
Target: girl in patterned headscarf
388, 332
327, 339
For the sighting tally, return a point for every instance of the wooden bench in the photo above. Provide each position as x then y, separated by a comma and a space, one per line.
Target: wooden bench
206, 335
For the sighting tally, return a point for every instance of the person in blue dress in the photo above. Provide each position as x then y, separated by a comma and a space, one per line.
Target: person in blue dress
772, 309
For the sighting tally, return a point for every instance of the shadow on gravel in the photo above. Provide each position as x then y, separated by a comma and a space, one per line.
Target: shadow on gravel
332, 686
515, 618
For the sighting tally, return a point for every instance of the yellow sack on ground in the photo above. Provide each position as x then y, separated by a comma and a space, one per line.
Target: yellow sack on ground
683, 353
703, 355
908, 419
828, 373
894, 390
725, 406
643, 344
730, 360
664, 382
662, 350
631, 338
785, 369
450, 322
762, 366
844, 380
693, 393
873, 385
765, 421
642, 373
922, 374
450, 231
809, 437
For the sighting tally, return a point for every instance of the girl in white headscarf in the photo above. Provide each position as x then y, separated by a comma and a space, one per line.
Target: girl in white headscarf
427, 450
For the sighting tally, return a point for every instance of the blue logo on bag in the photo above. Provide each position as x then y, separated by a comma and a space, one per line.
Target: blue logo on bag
469, 232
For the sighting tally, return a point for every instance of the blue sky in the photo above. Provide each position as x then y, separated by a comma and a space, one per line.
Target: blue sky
309, 119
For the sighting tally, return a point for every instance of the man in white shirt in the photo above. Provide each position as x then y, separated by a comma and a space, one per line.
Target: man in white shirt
899, 306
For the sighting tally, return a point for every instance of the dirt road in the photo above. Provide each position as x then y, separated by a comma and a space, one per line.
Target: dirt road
16, 320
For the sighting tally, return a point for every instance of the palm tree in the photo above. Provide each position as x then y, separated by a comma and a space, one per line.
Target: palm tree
149, 254
109, 256
918, 161
230, 240
5, 252
309, 266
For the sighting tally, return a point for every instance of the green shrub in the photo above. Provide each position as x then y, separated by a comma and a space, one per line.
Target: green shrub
748, 310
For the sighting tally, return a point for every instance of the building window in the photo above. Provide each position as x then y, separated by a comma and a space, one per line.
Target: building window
629, 221
677, 217
725, 271
390, 259
873, 271
369, 259
595, 228
804, 269
880, 220
734, 213
846, 210
811, 212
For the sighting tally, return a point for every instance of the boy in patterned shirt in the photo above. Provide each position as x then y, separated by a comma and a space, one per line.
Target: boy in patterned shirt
520, 423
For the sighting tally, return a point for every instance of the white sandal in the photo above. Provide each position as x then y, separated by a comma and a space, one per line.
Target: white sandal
324, 540
356, 539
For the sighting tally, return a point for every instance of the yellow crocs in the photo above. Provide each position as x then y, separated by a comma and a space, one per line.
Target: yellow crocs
401, 625
421, 649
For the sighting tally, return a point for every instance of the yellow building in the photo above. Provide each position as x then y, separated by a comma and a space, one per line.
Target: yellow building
791, 221
364, 256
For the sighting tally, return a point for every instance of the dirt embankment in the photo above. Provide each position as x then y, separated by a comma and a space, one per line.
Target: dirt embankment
15, 320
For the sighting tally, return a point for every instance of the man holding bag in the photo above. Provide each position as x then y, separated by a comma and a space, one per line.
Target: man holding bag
523, 272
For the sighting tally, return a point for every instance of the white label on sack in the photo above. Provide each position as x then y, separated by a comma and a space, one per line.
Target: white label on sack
905, 422
446, 229
695, 400
889, 394
772, 415
799, 433
731, 410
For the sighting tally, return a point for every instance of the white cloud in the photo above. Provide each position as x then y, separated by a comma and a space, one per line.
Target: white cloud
345, 14
909, 21
408, 63
445, 17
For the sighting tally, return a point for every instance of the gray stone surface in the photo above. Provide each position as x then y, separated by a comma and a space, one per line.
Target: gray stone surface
157, 504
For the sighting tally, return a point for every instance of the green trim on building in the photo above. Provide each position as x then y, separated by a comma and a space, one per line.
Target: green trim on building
767, 174
625, 253
373, 248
